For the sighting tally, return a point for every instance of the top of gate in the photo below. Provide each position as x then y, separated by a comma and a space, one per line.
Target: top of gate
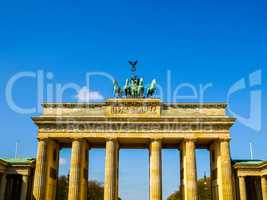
135, 107
134, 86
134, 101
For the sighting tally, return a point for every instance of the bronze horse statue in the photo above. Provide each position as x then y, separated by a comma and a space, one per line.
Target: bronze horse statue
151, 89
117, 91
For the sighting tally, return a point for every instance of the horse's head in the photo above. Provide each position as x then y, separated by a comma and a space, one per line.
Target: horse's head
154, 83
115, 82
127, 82
141, 82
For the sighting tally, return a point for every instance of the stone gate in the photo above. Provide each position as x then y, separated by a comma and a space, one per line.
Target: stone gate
132, 123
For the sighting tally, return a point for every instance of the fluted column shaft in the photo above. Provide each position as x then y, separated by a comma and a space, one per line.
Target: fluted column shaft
117, 172
226, 185
24, 187
242, 188
189, 174
40, 171
111, 173
264, 187
78, 153
52, 163
155, 171
84, 172
3, 182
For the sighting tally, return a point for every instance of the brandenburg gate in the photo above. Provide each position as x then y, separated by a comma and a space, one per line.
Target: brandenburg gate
134, 121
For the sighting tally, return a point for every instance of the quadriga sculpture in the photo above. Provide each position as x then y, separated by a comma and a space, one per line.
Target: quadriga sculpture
134, 87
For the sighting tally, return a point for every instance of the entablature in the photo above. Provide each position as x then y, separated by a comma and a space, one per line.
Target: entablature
144, 107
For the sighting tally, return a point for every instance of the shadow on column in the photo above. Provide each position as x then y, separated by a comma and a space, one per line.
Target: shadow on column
253, 187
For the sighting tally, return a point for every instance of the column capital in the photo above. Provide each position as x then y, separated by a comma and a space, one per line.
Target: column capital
43, 139
111, 139
156, 140
81, 140
194, 140
224, 139
46, 139
190, 139
78, 139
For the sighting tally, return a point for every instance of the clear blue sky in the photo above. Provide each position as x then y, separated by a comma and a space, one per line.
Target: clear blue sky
199, 42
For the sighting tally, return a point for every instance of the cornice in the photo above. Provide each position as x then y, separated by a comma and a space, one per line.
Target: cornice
180, 119
136, 102
245, 166
195, 105
72, 105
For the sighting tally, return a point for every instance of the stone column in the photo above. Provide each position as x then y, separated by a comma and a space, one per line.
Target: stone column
24, 187
214, 155
84, 172
155, 171
188, 166
242, 188
3, 187
264, 187
117, 151
225, 171
77, 170
40, 172
111, 167
52, 169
